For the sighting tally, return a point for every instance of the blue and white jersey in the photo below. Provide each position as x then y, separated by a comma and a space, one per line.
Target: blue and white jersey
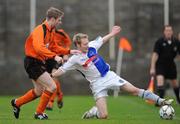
90, 64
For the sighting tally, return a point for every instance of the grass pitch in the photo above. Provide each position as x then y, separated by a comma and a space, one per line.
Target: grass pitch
122, 110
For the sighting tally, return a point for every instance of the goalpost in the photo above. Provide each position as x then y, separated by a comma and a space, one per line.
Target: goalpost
111, 24
32, 14
120, 53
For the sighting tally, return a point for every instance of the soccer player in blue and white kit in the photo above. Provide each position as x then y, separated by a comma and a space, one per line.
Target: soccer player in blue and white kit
98, 73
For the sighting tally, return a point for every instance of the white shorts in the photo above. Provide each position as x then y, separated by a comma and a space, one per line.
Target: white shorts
110, 81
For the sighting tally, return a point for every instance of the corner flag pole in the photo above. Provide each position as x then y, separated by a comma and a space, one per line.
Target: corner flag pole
118, 68
151, 88
123, 45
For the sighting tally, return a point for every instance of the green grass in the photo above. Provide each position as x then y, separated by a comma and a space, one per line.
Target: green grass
122, 110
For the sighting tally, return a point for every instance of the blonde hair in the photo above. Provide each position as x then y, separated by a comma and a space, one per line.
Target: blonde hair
167, 26
77, 38
53, 13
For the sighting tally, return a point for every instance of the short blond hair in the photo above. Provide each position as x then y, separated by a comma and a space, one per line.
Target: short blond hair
167, 26
77, 38
53, 13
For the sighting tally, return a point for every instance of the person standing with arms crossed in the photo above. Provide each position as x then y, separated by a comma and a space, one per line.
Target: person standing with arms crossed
163, 66
37, 52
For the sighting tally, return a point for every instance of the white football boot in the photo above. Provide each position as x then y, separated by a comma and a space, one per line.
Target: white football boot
91, 113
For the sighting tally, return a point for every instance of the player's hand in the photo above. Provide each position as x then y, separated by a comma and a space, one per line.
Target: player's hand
116, 30
65, 58
58, 59
75, 52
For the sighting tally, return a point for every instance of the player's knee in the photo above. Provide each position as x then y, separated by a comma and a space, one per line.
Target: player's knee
103, 116
53, 87
38, 92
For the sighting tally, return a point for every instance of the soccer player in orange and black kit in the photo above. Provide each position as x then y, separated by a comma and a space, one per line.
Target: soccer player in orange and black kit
37, 52
63, 41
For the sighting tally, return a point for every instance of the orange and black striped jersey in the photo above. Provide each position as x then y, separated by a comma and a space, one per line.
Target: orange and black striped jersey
37, 43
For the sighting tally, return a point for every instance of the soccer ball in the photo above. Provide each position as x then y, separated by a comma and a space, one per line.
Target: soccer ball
167, 112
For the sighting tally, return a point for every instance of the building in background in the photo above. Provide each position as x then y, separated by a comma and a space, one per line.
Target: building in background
141, 20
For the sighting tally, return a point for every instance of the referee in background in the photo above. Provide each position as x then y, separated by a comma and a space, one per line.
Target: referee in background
163, 66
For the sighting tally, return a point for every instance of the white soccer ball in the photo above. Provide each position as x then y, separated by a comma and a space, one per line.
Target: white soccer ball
167, 112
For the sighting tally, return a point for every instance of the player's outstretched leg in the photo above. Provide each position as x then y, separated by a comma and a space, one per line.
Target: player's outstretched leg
16, 103
146, 94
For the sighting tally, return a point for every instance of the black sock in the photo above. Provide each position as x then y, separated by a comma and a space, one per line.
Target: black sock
176, 91
161, 91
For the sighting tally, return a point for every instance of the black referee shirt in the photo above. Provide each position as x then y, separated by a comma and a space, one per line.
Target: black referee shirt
167, 50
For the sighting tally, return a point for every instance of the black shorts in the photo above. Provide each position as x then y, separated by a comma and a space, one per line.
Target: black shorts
169, 70
51, 64
34, 67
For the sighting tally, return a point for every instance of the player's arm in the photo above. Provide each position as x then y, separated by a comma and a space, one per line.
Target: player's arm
60, 50
115, 31
154, 59
67, 43
38, 43
178, 56
57, 73
39, 46
155, 56
99, 41
65, 58
64, 51
69, 65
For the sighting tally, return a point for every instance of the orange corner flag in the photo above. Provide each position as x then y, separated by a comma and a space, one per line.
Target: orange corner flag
151, 88
125, 45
